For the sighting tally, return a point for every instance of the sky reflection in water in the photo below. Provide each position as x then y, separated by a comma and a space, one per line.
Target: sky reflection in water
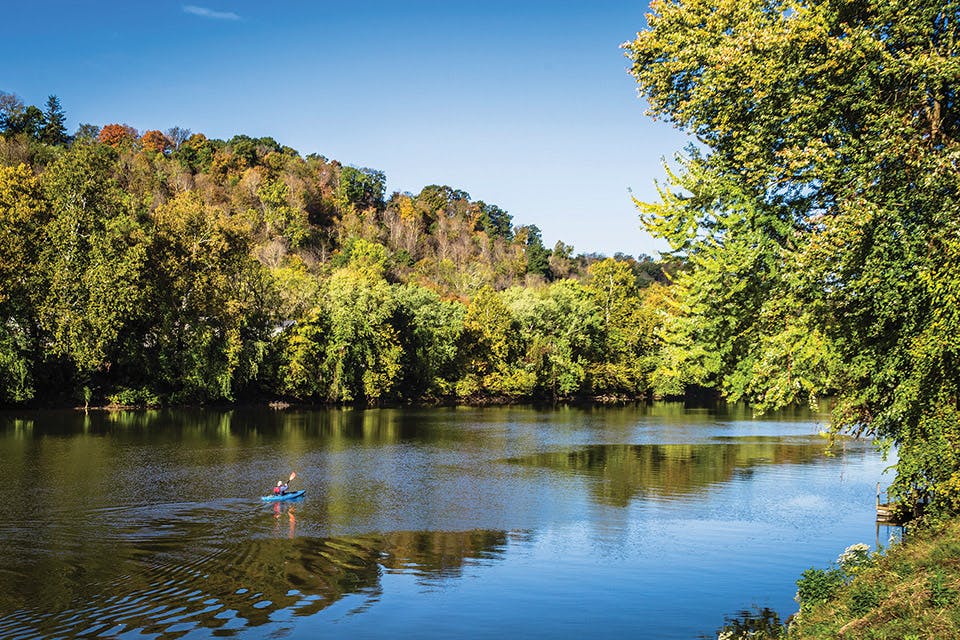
651, 521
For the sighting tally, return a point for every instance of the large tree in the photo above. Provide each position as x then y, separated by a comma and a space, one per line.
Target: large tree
819, 210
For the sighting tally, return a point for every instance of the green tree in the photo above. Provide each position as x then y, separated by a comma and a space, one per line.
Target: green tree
279, 216
561, 329
494, 220
211, 302
54, 130
93, 255
429, 330
626, 335
490, 346
361, 188
825, 188
363, 352
538, 256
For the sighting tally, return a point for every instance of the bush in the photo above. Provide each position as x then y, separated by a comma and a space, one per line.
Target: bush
864, 597
818, 585
125, 396
941, 595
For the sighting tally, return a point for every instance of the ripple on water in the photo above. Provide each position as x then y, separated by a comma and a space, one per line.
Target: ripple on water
173, 568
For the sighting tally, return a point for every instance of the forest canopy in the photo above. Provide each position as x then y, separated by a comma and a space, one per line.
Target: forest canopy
166, 266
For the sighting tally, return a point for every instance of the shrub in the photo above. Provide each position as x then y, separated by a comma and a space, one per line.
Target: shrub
818, 585
134, 397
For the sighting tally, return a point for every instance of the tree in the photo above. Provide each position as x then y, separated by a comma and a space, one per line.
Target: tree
494, 220
626, 340
177, 136
823, 205
538, 256
196, 153
87, 132
93, 255
16, 118
363, 354
561, 329
155, 141
11, 107
118, 135
361, 188
54, 130
429, 331
489, 345
211, 302
280, 218
23, 212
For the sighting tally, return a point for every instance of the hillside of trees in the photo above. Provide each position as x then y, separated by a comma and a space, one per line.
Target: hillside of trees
167, 267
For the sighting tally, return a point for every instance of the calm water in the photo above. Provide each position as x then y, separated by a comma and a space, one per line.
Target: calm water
649, 522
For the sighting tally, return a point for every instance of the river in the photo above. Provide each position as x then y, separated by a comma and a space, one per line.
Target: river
655, 521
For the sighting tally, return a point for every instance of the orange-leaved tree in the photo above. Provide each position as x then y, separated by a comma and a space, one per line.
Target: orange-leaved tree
154, 140
117, 135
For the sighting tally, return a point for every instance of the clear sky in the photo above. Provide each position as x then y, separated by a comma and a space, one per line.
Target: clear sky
527, 105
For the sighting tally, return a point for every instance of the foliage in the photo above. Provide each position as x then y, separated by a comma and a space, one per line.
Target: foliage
54, 130
117, 135
908, 591
126, 397
361, 188
155, 141
178, 268
819, 214
818, 585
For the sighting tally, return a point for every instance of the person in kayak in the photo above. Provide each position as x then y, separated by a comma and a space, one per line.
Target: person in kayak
280, 489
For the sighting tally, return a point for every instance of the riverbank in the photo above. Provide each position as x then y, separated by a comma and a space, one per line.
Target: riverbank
911, 590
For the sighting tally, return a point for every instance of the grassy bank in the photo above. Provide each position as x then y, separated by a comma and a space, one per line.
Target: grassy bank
910, 591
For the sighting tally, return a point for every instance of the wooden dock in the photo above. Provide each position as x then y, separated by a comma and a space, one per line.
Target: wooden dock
886, 511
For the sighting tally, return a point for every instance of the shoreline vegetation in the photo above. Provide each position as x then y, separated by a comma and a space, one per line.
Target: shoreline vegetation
279, 404
908, 591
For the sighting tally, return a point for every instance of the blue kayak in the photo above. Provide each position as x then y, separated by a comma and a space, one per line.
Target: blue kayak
293, 495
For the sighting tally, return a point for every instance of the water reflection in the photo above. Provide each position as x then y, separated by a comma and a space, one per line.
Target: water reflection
168, 577
757, 624
152, 521
625, 472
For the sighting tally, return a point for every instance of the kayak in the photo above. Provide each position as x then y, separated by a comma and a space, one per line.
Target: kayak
293, 495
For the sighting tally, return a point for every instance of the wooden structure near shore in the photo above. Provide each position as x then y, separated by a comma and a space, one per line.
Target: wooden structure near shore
886, 511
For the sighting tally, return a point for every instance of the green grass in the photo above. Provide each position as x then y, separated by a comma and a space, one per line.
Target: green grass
911, 592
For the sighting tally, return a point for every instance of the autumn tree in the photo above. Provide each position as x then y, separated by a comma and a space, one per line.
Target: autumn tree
117, 135
155, 141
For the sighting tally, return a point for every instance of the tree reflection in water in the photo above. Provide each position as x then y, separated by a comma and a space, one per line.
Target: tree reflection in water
671, 470
171, 584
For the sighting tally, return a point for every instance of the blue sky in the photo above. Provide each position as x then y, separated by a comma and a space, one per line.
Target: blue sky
527, 105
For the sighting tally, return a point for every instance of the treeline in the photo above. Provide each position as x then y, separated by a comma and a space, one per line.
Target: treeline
169, 267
